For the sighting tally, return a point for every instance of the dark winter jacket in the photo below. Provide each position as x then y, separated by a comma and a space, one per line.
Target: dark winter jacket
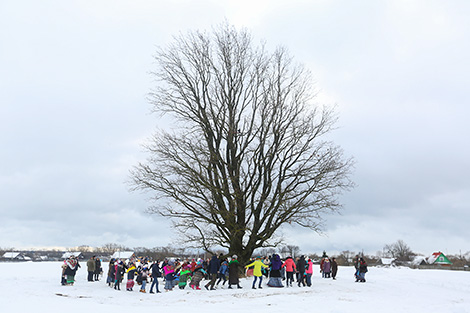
362, 267
301, 265
214, 265
111, 269
155, 270
334, 267
97, 266
233, 268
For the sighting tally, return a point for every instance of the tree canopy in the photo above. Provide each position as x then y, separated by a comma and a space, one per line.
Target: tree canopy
249, 154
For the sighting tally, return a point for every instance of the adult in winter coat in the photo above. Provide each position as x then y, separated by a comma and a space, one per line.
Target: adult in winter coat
275, 279
130, 277
91, 265
327, 268
110, 279
156, 273
334, 268
257, 273
289, 264
70, 269
97, 271
185, 275
213, 269
301, 270
118, 272
169, 272
233, 271
309, 272
198, 274
361, 277
322, 262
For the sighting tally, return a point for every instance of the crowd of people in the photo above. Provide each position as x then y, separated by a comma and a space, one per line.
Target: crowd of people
216, 270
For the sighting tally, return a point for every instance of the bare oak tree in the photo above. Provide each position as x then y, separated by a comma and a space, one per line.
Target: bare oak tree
249, 155
399, 250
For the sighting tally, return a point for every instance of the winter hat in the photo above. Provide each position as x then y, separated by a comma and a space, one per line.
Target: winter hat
234, 256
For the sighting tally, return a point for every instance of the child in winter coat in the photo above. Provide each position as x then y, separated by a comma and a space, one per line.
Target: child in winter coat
257, 264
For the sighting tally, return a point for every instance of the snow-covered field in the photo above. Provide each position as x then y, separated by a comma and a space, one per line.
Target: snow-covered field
35, 287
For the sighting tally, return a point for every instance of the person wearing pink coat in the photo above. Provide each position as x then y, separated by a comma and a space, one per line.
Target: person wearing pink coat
309, 272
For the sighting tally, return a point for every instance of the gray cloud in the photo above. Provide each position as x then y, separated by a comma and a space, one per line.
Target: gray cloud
73, 114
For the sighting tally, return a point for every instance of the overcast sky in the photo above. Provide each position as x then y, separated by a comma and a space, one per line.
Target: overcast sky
73, 115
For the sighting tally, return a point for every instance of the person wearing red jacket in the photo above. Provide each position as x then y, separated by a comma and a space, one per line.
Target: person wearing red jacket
289, 264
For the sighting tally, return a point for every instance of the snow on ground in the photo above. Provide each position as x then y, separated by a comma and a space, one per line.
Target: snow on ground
35, 287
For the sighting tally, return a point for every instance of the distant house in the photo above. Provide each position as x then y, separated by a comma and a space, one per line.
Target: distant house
419, 260
123, 255
15, 256
67, 255
438, 258
386, 262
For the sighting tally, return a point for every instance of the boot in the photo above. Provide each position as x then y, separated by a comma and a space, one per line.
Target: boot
239, 287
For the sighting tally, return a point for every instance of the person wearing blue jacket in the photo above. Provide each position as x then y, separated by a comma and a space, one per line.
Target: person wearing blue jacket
223, 272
